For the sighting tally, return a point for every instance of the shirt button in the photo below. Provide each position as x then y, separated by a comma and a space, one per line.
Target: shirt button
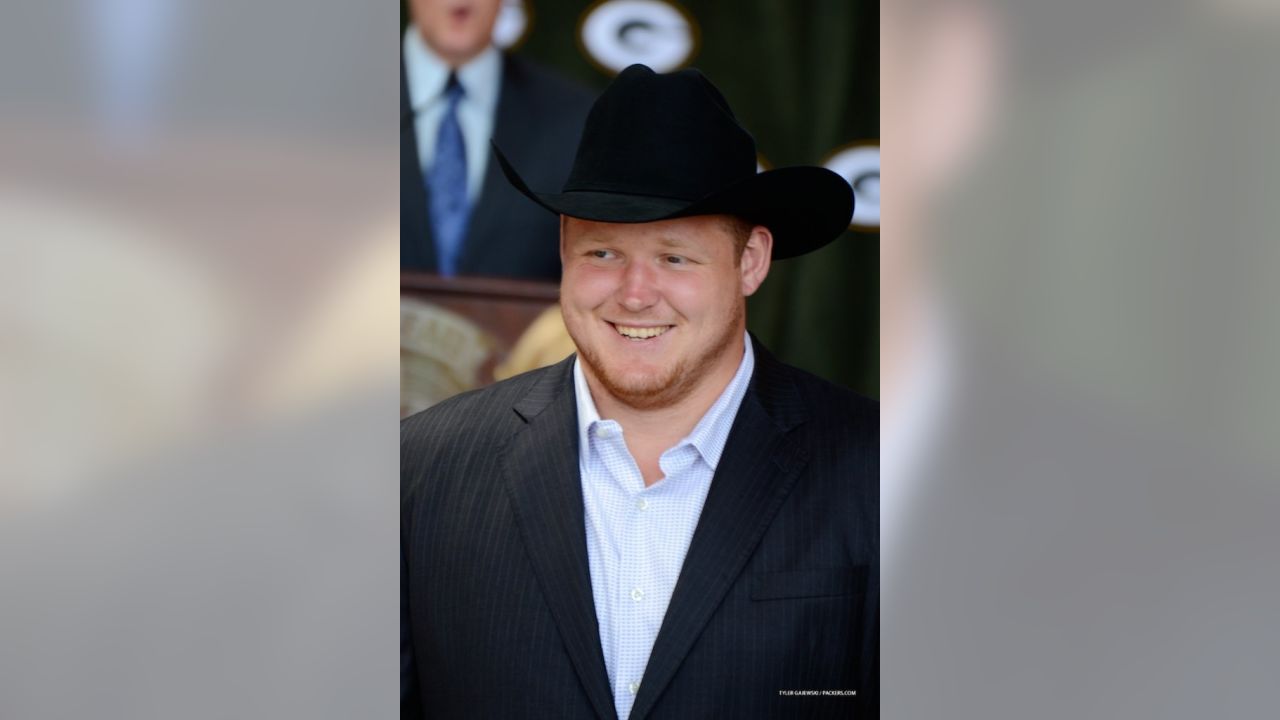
633, 687
637, 595
643, 504
604, 431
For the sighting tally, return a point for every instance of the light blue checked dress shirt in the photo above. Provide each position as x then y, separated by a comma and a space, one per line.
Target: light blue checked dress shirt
637, 537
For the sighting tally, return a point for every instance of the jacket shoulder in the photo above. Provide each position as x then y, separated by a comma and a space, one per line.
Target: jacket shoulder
836, 407
483, 414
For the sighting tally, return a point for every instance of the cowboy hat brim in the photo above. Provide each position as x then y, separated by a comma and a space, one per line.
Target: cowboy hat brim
804, 207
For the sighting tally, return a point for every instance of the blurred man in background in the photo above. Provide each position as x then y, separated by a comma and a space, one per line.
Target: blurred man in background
457, 215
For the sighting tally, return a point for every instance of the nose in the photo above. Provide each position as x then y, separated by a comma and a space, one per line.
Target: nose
639, 289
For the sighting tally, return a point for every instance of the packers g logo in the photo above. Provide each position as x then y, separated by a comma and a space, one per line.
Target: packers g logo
859, 164
615, 34
512, 25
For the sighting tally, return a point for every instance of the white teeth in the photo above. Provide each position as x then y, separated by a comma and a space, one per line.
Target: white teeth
641, 333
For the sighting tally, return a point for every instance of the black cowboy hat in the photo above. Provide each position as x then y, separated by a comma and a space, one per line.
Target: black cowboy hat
657, 147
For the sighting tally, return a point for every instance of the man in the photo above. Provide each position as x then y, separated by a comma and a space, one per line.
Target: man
457, 215
671, 523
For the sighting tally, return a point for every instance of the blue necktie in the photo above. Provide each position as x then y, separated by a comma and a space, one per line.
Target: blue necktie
447, 182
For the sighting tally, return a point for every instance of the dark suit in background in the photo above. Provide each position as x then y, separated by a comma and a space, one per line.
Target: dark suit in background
778, 592
537, 123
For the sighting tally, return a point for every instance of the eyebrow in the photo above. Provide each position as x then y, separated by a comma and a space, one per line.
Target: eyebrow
591, 238
669, 241
693, 248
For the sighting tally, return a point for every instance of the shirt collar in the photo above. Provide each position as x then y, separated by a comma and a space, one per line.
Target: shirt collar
587, 413
711, 432
427, 74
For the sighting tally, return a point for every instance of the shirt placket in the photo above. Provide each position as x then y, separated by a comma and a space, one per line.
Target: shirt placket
634, 579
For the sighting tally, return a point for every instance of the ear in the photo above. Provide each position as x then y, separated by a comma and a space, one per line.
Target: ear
756, 259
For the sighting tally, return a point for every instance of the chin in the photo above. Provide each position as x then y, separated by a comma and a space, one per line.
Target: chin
632, 379
645, 397
642, 387
641, 383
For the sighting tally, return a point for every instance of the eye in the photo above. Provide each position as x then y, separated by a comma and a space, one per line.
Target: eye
676, 260
601, 254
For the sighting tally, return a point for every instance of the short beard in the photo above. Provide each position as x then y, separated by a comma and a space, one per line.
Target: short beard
664, 392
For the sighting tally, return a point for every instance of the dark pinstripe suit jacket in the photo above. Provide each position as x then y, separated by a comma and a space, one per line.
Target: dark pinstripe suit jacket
779, 591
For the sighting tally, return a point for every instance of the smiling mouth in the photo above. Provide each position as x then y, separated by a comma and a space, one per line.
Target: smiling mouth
638, 333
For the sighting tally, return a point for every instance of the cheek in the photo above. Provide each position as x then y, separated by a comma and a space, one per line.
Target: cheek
585, 288
475, 32
703, 297
489, 14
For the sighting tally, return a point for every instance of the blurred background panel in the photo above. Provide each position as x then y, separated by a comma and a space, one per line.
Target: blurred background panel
198, 359
1079, 466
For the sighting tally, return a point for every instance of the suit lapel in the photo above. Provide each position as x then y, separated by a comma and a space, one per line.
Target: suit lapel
513, 134
417, 249
541, 467
757, 470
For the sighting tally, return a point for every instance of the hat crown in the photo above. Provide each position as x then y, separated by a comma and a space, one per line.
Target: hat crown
670, 136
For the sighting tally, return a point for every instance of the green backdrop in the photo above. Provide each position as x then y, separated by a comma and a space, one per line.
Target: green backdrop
803, 77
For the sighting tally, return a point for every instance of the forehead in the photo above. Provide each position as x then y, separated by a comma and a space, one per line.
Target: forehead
701, 230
